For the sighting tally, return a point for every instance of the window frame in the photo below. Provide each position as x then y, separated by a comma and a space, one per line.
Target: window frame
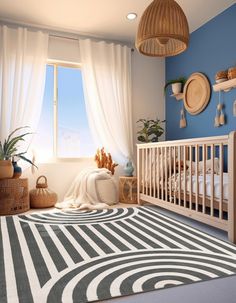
56, 64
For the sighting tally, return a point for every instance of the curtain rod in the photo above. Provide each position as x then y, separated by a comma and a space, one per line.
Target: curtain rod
55, 32
75, 39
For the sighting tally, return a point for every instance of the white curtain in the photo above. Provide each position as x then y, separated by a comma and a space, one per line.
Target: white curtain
106, 70
23, 56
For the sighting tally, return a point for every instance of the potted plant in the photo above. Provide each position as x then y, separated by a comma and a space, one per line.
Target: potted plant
176, 85
9, 151
150, 130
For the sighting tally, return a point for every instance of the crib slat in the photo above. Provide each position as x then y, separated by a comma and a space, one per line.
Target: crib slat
154, 172
204, 178
191, 179
138, 174
184, 176
146, 171
212, 178
150, 172
166, 173
179, 171
162, 174
158, 172
170, 173
221, 156
143, 175
197, 174
175, 174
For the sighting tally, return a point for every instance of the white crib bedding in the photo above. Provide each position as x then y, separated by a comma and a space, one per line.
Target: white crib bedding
217, 185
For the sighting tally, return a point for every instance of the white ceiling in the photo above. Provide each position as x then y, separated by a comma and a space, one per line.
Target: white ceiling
100, 18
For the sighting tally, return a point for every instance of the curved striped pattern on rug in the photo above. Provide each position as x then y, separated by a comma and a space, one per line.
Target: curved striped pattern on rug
88, 256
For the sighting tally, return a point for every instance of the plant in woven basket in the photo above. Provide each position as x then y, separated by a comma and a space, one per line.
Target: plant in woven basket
9, 149
150, 130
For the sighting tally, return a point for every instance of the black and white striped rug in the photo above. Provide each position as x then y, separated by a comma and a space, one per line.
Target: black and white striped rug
84, 257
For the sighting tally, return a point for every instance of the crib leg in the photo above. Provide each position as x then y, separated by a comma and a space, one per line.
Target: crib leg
232, 237
232, 187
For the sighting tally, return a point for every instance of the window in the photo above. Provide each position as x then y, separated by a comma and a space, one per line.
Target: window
63, 130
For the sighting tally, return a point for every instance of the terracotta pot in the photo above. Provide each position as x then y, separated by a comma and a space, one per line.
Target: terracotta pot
6, 169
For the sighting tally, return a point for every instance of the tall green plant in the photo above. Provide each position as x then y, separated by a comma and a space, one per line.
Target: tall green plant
150, 130
9, 148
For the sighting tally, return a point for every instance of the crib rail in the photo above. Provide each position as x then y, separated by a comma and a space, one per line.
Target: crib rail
189, 177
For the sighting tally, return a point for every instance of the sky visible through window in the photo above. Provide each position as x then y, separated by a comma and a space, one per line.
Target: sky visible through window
73, 135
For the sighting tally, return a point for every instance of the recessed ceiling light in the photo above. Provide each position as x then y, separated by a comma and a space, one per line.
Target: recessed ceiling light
131, 16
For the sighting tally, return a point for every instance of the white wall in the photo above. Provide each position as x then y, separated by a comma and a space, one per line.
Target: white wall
148, 76
148, 80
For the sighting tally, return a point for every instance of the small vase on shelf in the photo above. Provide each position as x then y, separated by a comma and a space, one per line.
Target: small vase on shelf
129, 169
17, 170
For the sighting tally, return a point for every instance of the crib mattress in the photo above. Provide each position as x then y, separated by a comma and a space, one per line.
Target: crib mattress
217, 185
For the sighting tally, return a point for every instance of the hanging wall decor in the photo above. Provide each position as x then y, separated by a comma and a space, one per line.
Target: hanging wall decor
220, 117
197, 92
182, 122
234, 108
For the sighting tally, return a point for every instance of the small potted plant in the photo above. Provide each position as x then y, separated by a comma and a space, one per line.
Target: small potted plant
150, 130
9, 151
176, 85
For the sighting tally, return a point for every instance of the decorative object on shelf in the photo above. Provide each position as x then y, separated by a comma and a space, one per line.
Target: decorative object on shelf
154, 39
221, 76
17, 170
129, 169
234, 108
232, 73
9, 149
197, 92
150, 130
128, 189
176, 85
42, 196
6, 169
104, 160
14, 196
182, 122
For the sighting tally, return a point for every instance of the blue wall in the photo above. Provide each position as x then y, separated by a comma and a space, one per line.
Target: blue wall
212, 48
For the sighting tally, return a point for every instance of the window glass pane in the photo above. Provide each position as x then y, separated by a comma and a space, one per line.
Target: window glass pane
74, 137
43, 139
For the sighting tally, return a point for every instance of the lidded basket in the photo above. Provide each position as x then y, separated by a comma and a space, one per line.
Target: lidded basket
42, 196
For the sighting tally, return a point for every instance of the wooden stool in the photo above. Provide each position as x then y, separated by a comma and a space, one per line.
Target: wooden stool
14, 196
128, 189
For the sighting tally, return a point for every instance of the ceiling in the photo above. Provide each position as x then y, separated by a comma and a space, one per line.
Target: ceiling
100, 18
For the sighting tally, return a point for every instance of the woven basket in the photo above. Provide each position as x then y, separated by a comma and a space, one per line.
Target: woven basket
14, 196
232, 73
42, 196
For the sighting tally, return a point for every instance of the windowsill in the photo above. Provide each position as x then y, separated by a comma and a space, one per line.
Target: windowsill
64, 160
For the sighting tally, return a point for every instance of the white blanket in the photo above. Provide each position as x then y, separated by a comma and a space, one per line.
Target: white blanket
83, 192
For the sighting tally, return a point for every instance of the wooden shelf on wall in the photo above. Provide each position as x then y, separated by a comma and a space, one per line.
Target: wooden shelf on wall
178, 97
225, 86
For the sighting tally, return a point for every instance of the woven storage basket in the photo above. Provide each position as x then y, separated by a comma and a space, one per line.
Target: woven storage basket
42, 196
14, 196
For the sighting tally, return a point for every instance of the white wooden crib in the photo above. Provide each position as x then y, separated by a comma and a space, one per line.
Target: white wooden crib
193, 177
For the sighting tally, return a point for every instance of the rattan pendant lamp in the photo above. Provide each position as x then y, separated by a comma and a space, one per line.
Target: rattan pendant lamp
163, 30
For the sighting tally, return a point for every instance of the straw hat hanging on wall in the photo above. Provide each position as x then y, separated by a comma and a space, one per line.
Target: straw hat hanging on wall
163, 30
